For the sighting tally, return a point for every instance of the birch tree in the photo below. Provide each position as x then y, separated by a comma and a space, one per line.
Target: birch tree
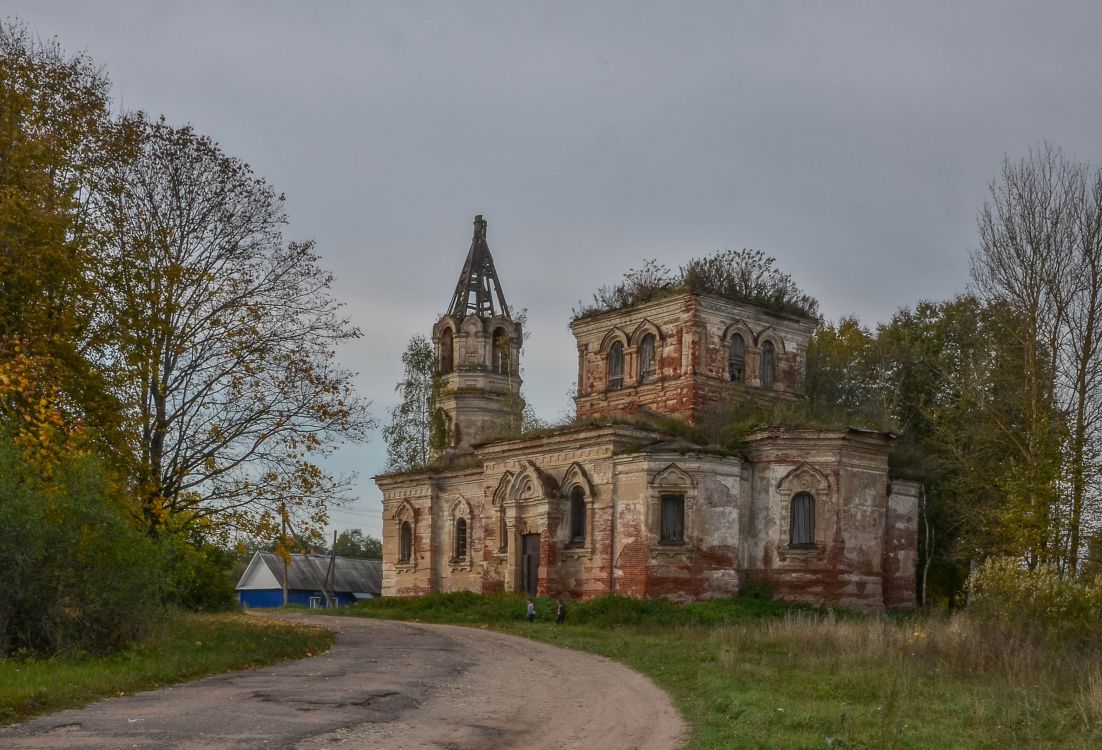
1040, 260
408, 435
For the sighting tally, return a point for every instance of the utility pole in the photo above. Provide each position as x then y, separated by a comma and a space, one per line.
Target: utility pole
286, 552
311, 566
331, 574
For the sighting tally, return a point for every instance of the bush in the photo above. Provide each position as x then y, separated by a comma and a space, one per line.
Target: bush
1037, 603
197, 577
74, 572
744, 275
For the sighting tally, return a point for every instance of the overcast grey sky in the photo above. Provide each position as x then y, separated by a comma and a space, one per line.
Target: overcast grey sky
853, 141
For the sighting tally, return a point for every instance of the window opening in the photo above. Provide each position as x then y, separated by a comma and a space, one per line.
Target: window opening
648, 367
616, 366
577, 516
405, 544
672, 519
802, 526
736, 359
767, 374
447, 351
461, 539
500, 354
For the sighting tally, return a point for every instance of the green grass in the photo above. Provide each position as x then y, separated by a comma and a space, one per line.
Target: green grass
748, 673
186, 647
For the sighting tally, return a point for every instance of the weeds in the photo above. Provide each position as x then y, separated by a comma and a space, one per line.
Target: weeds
185, 647
749, 673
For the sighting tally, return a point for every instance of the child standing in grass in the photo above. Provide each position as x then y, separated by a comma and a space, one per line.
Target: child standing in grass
560, 613
531, 610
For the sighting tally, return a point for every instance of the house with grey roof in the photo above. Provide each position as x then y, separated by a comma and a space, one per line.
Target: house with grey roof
346, 579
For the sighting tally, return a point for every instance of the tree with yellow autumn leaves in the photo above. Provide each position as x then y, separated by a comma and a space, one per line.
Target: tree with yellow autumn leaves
159, 340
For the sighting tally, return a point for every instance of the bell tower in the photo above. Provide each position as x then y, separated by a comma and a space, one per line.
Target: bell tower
477, 346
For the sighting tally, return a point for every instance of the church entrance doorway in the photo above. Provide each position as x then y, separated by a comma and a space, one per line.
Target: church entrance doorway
529, 563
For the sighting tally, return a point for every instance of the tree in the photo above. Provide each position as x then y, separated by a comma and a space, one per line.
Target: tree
354, 543
414, 420
55, 134
1040, 259
225, 336
838, 370
937, 374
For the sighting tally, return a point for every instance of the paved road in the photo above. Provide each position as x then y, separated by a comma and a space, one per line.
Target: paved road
386, 685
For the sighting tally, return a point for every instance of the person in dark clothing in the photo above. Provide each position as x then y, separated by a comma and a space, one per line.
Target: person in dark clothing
560, 613
531, 614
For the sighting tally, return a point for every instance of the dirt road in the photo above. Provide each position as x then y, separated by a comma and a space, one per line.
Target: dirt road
386, 685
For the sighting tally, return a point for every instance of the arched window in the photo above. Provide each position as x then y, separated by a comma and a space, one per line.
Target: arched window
802, 523
447, 351
767, 374
405, 543
616, 366
648, 367
499, 357
577, 516
461, 539
736, 359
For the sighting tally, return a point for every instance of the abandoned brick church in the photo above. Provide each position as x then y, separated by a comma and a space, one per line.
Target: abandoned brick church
612, 506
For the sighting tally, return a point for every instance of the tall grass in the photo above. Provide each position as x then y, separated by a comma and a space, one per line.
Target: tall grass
752, 673
465, 607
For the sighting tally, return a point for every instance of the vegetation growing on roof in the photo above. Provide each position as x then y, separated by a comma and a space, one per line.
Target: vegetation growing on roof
748, 276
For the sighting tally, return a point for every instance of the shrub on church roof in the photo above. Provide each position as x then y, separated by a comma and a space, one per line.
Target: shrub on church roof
748, 276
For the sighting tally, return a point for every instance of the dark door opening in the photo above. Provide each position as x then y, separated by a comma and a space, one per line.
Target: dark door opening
529, 563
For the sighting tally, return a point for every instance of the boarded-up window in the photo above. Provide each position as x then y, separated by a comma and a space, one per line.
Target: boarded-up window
802, 525
616, 366
767, 373
447, 351
405, 542
736, 359
648, 367
577, 515
672, 519
461, 539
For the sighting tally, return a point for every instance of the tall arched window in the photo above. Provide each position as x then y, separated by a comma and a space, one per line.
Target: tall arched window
447, 351
461, 539
648, 367
801, 529
616, 366
405, 543
736, 359
767, 373
577, 516
499, 356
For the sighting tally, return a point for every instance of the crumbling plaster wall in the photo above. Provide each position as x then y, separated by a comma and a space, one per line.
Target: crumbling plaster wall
846, 473
737, 516
693, 335
433, 501
706, 563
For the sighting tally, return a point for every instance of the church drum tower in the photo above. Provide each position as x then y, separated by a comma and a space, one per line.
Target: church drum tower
477, 345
